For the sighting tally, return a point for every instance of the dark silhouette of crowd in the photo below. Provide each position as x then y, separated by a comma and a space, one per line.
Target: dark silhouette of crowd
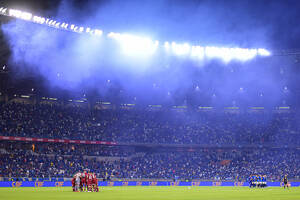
142, 126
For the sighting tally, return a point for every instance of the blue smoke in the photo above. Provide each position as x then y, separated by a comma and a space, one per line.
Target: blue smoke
74, 62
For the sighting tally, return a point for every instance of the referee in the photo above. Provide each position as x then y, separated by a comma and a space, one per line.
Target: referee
285, 182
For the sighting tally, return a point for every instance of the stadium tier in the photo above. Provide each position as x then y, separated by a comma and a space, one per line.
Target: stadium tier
193, 145
49, 160
154, 127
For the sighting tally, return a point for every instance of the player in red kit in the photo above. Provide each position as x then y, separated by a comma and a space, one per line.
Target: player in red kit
89, 181
95, 183
84, 180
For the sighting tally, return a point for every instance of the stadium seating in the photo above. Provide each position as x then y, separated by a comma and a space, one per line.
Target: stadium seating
139, 126
228, 146
153, 163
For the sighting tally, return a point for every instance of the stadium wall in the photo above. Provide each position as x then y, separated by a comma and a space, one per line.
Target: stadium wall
135, 183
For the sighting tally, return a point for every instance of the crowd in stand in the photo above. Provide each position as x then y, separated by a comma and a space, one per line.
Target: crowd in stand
19, 159
220, 130
211, 164
140, 126
68, 149
16, 160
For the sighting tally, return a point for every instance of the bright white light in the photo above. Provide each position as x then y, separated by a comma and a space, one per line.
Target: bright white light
3, 10
20, 14
81, 29
263, 52
114, 35
64, 25
39, 20
132, 44
197, 52
167, 46
135, 45
228, 54
98, 32
14, 13
212, 52
26, 16
53, 23
243, 54
181, 49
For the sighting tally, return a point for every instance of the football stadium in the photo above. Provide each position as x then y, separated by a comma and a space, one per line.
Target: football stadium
150, 99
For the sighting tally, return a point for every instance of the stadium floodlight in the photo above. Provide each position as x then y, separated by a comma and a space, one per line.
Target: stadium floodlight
14, 13
216, 52
197, 52
26, 16
181, 49
19, 14
3, 11
113, 35
64, 25
53, 23
211, 52
98, 32
39, 20
81, 29
167, 46
135, 45
243, 54
228, 54
263, 52
36, 19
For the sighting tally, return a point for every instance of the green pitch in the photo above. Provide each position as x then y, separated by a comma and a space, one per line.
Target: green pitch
152, 193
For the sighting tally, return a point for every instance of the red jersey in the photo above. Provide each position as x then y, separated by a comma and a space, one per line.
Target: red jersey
89, 178
84, 177
73, 182
95, 180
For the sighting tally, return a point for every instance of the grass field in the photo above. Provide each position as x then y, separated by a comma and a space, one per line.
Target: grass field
153, 193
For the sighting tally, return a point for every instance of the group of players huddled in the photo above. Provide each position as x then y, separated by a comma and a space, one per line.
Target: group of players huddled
85, 182
261, 181
257, 181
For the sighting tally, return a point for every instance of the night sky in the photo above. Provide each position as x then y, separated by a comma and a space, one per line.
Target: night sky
273, 24
81, 65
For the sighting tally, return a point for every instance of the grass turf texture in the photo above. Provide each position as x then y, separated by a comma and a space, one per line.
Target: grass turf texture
152, 193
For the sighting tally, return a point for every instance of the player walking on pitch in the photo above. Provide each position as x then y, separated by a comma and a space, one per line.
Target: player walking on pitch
285, 182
